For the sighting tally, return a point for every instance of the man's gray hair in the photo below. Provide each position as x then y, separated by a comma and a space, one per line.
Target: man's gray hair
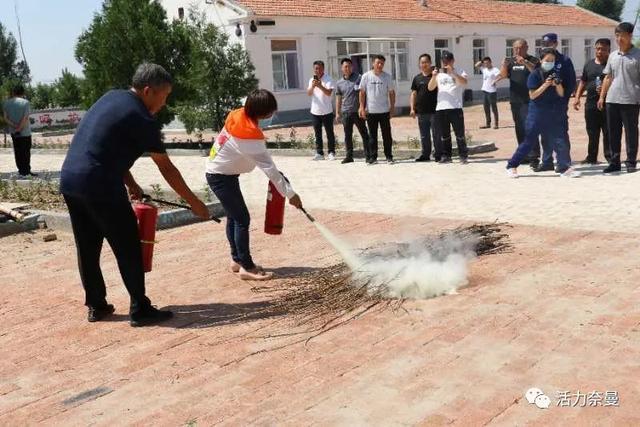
153, 75
521, 41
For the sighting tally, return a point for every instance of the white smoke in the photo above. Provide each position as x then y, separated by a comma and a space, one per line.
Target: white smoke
416, 270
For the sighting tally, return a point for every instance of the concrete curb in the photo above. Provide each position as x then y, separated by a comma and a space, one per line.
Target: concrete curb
29, 223
167, 219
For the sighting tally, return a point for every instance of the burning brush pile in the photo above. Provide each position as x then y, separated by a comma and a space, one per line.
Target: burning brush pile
380, 278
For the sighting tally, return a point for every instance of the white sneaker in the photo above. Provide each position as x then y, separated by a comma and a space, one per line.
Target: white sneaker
512, 173
331, 156
571, 173
318, 157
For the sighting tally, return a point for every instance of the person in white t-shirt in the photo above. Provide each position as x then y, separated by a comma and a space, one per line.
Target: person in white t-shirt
451, 83
320, 90
489, 90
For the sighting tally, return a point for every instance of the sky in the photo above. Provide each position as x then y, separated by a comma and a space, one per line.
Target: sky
50, 29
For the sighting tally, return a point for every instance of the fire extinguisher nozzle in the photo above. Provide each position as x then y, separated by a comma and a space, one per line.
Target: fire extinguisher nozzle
309, 217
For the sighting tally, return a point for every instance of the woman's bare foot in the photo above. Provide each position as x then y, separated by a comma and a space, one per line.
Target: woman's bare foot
256, 273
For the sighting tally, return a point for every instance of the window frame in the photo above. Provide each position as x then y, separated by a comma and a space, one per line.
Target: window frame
283, 54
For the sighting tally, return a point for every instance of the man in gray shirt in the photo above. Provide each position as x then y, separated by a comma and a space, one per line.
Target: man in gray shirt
621, 93
16, 114
377, 102
347, 105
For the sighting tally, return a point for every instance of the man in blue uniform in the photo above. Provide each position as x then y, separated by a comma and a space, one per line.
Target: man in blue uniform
95, 179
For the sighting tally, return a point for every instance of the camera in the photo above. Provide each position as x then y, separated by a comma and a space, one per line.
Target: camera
556, 79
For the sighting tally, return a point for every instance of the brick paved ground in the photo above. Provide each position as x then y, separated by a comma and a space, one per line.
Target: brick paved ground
560, 312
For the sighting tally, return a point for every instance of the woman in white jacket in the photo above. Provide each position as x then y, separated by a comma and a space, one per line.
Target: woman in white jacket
238, 149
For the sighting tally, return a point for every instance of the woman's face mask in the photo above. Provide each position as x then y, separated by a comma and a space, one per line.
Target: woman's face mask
547, 66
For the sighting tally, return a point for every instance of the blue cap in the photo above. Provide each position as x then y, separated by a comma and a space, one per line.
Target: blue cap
550, 38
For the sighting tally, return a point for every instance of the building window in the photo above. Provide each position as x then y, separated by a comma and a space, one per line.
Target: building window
479, 52
284, 58
361, 52
539, 47
566, 47
440, 45
588, 49
508, 53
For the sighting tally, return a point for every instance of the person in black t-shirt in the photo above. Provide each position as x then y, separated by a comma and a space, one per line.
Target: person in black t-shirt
591, 81
95, 179
517, 70
423, 106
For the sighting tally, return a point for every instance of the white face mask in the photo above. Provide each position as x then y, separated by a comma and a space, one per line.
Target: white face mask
547, 66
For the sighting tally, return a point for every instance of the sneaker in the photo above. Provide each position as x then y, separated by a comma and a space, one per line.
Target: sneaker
512, 173
318, 157
544, 168
464, 160
570, 173
496, 127
331, 156
445, 160
588, 161
611, 169
390, 161
631, 168
32, 174
488, 126
149, 316
534, 163
96, 314
347, 160
423, 159
372, 162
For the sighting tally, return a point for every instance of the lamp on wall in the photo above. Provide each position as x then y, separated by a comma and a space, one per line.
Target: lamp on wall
253, 27
238, 30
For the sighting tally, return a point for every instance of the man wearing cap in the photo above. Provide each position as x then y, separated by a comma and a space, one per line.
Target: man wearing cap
621, 93
565, 70
450, 83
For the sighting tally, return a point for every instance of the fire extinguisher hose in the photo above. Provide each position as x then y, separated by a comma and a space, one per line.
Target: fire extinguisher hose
177, 205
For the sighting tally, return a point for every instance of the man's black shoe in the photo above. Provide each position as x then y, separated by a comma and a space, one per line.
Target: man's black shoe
544, 168
612, 168
98, 313
445, 160
589, 161
149, 316
534, 163
423, 159
347, 160
631, 169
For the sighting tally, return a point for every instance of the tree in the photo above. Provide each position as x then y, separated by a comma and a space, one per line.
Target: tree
610, 8
123, 35
220, 74
42, 96
10, 67
67, 90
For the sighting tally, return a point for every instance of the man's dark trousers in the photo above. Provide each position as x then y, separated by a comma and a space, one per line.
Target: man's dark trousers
448, 119
519, 111
327, 122
428, 128
22, 153
92, 222
597, 123
619, 116
384, 121
348, 121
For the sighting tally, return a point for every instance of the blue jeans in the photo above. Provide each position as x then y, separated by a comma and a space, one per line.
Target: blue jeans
550, 122
227, 190
548, 146
428, 127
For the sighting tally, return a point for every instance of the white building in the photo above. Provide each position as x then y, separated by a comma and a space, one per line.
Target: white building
284, 37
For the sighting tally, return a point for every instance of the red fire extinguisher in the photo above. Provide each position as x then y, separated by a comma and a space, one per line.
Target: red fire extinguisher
147, 215
274, 215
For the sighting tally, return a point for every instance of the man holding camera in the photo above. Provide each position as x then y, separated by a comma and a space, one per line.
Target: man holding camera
320, 90
450, 83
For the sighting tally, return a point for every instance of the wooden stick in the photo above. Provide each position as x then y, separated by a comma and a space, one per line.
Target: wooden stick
12, 213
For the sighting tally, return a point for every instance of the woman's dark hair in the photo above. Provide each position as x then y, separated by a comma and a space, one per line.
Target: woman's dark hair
17, 90
259, 104
152, 75
347, 60
546, 51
